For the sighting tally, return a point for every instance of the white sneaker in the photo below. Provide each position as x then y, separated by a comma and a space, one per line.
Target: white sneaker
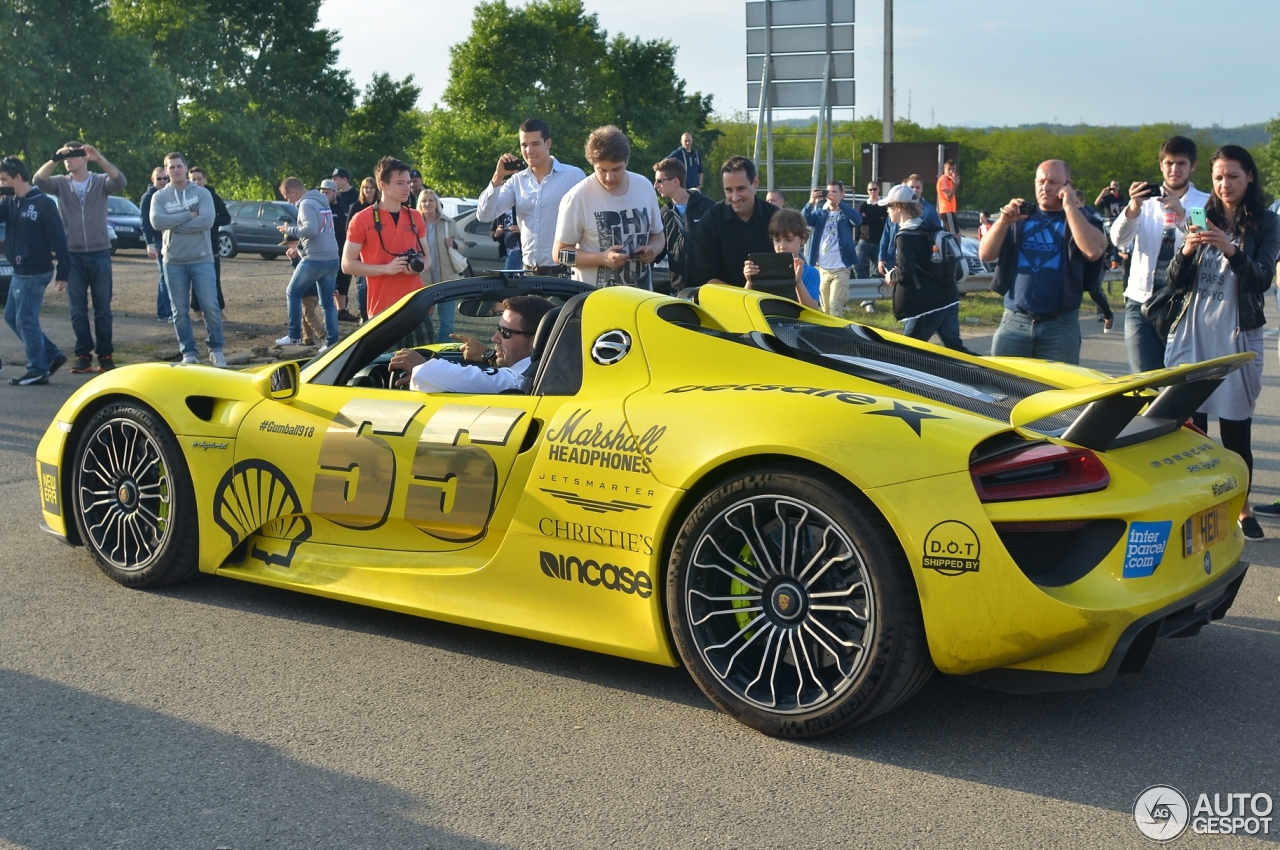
189, 360
288, 340
322, 349
216, 358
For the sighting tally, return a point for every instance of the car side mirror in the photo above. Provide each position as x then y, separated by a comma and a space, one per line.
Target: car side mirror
281, 383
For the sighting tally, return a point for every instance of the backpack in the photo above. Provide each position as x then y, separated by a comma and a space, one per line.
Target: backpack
947, 266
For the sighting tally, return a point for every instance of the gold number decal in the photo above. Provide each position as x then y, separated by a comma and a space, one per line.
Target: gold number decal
454, 484
358, 469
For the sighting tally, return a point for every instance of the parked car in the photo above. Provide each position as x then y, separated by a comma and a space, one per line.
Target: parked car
125, 216
454, 207
253, 228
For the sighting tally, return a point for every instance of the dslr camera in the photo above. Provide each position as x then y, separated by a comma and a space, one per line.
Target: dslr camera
414, 259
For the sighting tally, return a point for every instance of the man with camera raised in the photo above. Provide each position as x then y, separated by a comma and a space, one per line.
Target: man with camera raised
1153, 220
82, 203
1048, 253
386, 242
534, 192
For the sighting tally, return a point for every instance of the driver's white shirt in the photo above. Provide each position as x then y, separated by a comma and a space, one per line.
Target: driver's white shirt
444, 376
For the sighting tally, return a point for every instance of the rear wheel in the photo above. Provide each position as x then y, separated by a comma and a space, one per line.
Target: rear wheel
793, 606
133, 500
266, 256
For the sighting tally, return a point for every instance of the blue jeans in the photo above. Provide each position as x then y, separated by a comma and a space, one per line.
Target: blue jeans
90, 274
309, 276
515, 260
446, 311
22, 313
1144, 345
362, 296
1019, 335
944, 323
163, 311
868, 255
182, 278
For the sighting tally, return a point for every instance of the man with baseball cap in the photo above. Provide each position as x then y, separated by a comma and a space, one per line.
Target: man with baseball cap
348, 197
415, 187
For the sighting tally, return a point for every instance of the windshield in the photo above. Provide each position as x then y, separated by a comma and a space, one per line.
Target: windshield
117, 205
452, 323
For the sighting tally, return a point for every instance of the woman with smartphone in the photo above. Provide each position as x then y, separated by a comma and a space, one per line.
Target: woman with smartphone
1224, 268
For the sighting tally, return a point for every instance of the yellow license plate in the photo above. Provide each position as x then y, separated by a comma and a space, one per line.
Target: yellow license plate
1204, 529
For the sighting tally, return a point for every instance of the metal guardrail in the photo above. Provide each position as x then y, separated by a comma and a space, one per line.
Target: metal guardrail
875, 289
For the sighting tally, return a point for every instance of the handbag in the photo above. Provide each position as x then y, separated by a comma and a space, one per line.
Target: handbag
1165, 308
459, 261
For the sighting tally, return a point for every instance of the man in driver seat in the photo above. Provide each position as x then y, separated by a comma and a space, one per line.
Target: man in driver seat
508, 359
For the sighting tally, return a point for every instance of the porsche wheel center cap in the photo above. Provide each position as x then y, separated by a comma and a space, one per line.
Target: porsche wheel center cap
127, 493
787, 601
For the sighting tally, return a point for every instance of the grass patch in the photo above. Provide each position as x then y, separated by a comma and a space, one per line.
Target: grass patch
977, 310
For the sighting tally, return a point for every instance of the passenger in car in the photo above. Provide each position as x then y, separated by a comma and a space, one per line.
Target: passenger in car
506, 362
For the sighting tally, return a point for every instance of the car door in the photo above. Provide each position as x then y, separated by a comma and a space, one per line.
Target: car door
372, 468
244, 224
480, 248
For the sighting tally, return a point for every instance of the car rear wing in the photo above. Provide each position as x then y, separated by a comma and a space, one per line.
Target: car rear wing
1112, 412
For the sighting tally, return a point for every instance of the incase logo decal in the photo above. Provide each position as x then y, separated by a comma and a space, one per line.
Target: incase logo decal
608, 576
1145, 550
952, 548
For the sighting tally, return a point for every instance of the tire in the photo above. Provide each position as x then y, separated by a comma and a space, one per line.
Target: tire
267, 256
132, 498
786, 642
226, 246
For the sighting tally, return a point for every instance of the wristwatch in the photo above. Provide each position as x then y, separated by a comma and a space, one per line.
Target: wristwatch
489, 356
568, 256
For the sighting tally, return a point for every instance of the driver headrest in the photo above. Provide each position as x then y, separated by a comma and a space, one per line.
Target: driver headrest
540, 337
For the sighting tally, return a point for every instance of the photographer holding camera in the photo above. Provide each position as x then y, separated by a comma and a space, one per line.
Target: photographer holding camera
82, 203
1047, 255
1153, 222
386, 242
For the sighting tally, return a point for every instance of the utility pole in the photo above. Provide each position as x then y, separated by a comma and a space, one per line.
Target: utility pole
888, 71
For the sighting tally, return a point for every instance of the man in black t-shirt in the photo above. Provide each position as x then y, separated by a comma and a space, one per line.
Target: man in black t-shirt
874, 218
342, 208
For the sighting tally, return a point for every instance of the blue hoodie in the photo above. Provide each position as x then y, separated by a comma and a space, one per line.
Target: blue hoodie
34, 234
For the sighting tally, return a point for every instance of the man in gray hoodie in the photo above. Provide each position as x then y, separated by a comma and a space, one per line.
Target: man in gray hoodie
82, 204
184, 212
318, 248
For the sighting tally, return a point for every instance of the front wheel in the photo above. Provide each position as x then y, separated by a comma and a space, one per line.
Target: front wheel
792, 605
133, 500
226, 246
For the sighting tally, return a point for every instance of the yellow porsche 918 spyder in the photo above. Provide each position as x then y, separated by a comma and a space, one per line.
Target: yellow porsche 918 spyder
808, 514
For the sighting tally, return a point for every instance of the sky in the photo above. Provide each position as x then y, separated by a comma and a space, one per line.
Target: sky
991, 62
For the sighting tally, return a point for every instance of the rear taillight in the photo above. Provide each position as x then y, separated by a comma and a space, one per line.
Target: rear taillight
1039, 472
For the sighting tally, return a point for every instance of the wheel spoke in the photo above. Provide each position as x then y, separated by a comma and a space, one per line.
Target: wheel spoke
759, 548
760, 580
128, 533
764, 660
735, 611
797, 639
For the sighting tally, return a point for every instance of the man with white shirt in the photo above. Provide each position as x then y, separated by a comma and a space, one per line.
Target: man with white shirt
1154, 222
508, 360
610, 228
534, 194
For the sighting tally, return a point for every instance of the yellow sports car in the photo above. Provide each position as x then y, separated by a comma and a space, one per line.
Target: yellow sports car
810, 515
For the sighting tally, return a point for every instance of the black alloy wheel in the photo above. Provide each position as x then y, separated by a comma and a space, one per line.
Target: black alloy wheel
792, 605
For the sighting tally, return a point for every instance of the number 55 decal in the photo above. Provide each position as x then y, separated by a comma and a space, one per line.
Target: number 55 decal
452, 484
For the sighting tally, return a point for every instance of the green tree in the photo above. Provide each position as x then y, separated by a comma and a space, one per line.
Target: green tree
1267, 157
386, 123
67, 71
550, 59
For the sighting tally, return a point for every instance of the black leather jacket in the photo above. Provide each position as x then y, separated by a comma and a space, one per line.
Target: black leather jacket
1254, 266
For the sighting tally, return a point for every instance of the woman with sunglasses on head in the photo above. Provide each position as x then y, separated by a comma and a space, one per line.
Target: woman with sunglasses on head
1224, 269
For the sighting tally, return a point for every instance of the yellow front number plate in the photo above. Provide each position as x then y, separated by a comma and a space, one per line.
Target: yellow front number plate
1203, 530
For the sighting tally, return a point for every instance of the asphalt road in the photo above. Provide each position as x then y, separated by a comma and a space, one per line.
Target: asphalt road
220, 714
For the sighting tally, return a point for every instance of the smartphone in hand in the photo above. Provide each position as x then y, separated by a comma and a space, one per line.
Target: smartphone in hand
1197, 216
